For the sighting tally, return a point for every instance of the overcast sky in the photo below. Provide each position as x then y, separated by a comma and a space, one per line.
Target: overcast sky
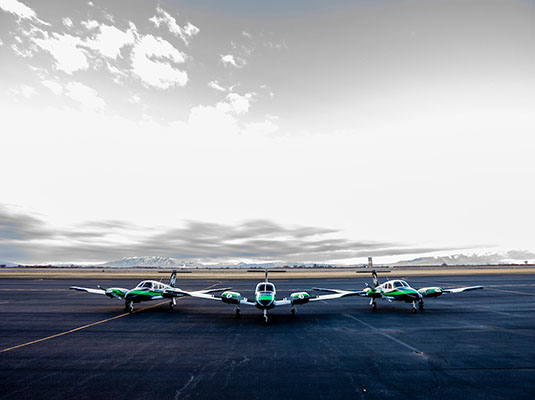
265, 131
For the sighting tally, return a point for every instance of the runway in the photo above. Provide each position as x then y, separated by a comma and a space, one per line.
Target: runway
56, 343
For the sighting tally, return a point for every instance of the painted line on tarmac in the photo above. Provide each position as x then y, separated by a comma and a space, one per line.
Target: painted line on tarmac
511, 291
408, 346
79, 328
93, 324
33, 290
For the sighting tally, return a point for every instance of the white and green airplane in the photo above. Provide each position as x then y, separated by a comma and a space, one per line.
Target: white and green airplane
146, 290
400, 290
265, 297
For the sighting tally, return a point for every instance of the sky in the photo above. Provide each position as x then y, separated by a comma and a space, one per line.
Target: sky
302, 131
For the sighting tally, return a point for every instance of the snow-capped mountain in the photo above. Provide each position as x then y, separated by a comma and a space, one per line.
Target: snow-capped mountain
509, 257
152, 261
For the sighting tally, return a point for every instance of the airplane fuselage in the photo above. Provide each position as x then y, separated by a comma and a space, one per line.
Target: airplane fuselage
147, 290
395, 290
265, 295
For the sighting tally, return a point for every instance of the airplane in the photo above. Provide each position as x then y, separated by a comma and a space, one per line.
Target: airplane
400, 290
144, 291
265, 297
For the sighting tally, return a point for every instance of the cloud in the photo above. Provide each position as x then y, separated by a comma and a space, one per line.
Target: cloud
215, 85
86, 96
230, 60
200, 241
67, 22
266, 127
54, 86
20, 10
153, 62
239, 104
110, 40
164, 18
67, 51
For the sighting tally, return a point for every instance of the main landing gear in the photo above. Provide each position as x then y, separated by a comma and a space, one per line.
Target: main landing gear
373, 304
237, 311
129, 306
420, 306
292, 311
172, 303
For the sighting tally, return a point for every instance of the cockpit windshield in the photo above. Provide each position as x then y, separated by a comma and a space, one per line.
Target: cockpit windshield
265, 287
400, 284
147, 285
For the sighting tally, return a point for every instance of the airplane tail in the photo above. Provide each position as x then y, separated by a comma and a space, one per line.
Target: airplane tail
267, 274
172, 279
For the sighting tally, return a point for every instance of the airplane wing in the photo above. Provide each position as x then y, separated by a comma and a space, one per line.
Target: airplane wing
83, 289
304, 297
337, 293
117, 293
463, 289
436, 291
201, 294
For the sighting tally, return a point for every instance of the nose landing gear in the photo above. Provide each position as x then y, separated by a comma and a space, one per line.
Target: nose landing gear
129, 306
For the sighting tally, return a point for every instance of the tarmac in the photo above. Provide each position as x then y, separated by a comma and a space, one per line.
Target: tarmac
58, 344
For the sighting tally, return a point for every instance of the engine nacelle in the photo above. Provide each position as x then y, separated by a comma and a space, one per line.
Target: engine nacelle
430, 291
231, 297
299, 298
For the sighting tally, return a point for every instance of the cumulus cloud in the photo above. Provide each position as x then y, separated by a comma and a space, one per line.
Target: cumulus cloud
239, 104
67, 50
164, 18
230, 60
154, 60
86, 96
110, 40
21, 10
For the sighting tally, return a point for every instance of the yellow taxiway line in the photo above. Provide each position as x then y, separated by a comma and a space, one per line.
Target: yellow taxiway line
93, 324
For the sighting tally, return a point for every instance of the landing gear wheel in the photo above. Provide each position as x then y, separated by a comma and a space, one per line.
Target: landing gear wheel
421, 305
292, 312
237, 313
414, 309
374, 306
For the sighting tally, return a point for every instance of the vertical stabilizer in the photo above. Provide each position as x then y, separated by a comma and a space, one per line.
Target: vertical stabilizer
172, 279
375, 279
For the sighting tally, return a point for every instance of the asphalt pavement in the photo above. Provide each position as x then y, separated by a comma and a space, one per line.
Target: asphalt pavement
58, 344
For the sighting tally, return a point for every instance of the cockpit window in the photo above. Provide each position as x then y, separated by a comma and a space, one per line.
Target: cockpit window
147, 285
265, 287
400, 284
